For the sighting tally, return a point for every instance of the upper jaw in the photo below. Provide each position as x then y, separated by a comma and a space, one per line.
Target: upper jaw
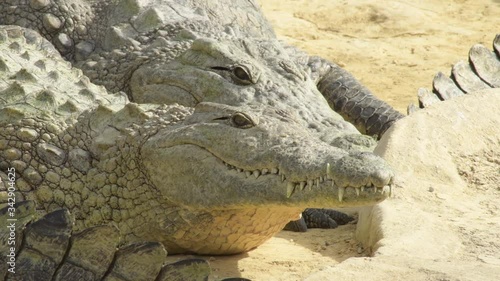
365, 187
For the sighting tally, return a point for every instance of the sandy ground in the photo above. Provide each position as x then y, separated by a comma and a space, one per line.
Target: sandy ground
443, 224
392, 47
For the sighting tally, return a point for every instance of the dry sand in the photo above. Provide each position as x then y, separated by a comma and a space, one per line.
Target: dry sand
392, 47
443, 223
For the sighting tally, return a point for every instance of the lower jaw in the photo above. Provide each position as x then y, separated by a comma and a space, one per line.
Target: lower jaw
225, 232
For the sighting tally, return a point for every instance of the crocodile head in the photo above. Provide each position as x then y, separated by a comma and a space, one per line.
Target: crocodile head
240, 72
237, 175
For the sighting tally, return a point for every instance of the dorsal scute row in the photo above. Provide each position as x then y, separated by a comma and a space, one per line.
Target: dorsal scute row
36, 81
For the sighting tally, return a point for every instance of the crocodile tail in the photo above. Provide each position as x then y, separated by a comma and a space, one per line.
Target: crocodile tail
353, 101
481, 71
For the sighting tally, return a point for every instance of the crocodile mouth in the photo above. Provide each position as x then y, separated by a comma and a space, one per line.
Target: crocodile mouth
194, 167
294, 187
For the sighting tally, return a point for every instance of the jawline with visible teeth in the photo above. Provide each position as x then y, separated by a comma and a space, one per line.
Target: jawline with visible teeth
292, 187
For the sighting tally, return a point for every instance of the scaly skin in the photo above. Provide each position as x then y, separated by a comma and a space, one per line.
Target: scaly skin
213, 179
482, 71
188, 52
184, 52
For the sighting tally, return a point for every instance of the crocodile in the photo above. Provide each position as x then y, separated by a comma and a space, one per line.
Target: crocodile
81, 164
223, 51
185, 52
190, 52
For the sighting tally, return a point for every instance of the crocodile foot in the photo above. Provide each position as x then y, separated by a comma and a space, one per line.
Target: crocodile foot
318, 218
47, 249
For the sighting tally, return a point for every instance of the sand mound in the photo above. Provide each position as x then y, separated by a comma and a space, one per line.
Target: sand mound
443, 222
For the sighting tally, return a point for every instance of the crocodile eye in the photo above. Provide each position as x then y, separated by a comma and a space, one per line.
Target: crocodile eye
241, 120
242, 74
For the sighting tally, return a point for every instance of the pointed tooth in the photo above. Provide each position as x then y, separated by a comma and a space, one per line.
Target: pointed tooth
357, 191
265, 171
387, 189
240, 170
317, 182
290, 188
321, 179
283, 178
310, 184
274, 170
328, 171
302, 185
362, 189
248, 173
256, 173
279, 172
374, 189
341, 193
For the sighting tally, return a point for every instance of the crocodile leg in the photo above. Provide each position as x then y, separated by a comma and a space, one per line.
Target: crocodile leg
46, 249
44, 246
318, 218
353, 101
91, 253
190, 269
337, 218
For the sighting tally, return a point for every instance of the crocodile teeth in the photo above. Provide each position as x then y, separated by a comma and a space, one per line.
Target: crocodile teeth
388, 189
310, 184
341, 193
317, 183
265, 171
357, 191
362, 189
274, 171
283, 178
321, 179
290, 188
248, 173
256, 173
302, 185
240, 170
